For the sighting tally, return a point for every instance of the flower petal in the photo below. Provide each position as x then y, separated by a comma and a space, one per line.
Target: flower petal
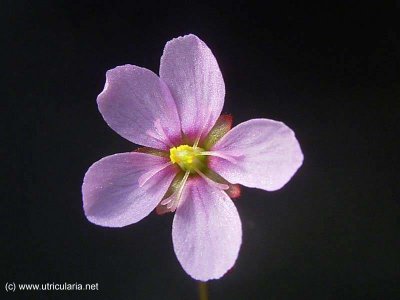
258, 153
112, 195
193, 76
206, 231
139, 107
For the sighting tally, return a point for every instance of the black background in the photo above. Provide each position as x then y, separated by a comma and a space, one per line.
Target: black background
329, 71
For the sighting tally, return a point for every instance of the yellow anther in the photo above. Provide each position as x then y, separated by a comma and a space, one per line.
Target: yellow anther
187, 157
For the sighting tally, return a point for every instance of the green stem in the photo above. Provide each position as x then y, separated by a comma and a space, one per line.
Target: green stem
203, 291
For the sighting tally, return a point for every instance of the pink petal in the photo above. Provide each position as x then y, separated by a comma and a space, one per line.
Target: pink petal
206, 231
192, 74
139, 107
112, 195
259, 153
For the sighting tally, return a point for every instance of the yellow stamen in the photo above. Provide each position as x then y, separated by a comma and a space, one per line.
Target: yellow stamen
187, 157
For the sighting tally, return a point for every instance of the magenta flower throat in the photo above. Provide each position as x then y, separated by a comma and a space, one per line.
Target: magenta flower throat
192, 161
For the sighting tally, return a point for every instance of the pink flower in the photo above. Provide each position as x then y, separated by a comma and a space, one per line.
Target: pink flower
191, 161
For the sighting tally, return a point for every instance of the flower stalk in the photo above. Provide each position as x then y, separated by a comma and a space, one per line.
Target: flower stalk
203, 290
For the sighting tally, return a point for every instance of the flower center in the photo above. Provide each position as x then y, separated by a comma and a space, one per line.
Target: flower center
192, 160
188, 158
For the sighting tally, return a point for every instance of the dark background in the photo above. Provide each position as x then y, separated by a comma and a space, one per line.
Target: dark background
329, 71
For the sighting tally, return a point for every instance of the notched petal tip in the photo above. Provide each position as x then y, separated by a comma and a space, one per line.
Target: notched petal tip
110, 76
186, 37
138, 106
